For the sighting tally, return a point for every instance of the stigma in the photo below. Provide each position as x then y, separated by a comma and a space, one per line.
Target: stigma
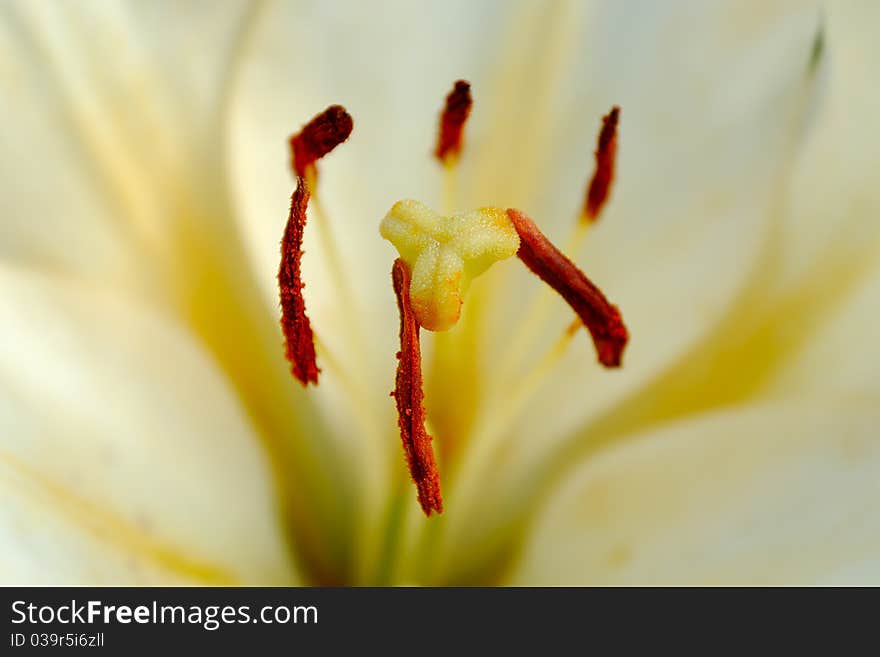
445, 254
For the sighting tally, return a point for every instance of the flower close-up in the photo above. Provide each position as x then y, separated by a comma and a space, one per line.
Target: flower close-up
463, 293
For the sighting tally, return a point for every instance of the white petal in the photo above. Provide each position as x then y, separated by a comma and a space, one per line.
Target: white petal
835, 197
842, 357
804, 323
107, 105
124, 456
829, 305
784, 495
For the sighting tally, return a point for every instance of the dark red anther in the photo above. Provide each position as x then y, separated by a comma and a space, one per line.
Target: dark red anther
603, 176
299, 340
409, 395
601, 318
452, 120
318, 137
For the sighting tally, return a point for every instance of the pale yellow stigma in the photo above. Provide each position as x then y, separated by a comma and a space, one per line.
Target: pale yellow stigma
445, 254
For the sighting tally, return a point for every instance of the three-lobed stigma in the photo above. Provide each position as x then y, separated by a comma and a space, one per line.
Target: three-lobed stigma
445, 254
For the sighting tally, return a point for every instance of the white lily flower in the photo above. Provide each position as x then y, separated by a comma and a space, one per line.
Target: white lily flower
150, 430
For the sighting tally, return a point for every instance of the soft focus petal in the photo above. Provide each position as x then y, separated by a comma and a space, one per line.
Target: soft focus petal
112, 171
841, 357
831, 280
785, 495
835, 197
804, 322
105, 105
124, 456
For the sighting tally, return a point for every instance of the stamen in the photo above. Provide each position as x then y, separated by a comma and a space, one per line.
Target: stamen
603, 176
318, 137
409, 395
299, 340
601, 318
452, 120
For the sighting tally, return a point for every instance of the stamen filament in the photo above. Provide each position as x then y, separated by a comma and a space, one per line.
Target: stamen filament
576, 237
528, 383
537, 313
516, 397
450, 187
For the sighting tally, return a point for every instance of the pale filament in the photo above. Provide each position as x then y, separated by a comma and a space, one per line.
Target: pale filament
508, 405
351, 376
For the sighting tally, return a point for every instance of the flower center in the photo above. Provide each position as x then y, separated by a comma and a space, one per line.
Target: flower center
440, 256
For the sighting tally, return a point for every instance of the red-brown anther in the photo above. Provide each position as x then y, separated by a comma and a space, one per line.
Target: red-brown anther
452, 120
318, 137
601, 318
299, 340
603, 176
409, 395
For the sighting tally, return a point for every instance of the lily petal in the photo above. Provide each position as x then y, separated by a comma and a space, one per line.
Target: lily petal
841, 357
782, 495
105, 105
124, 456
830, 277
834, 195
803, 323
